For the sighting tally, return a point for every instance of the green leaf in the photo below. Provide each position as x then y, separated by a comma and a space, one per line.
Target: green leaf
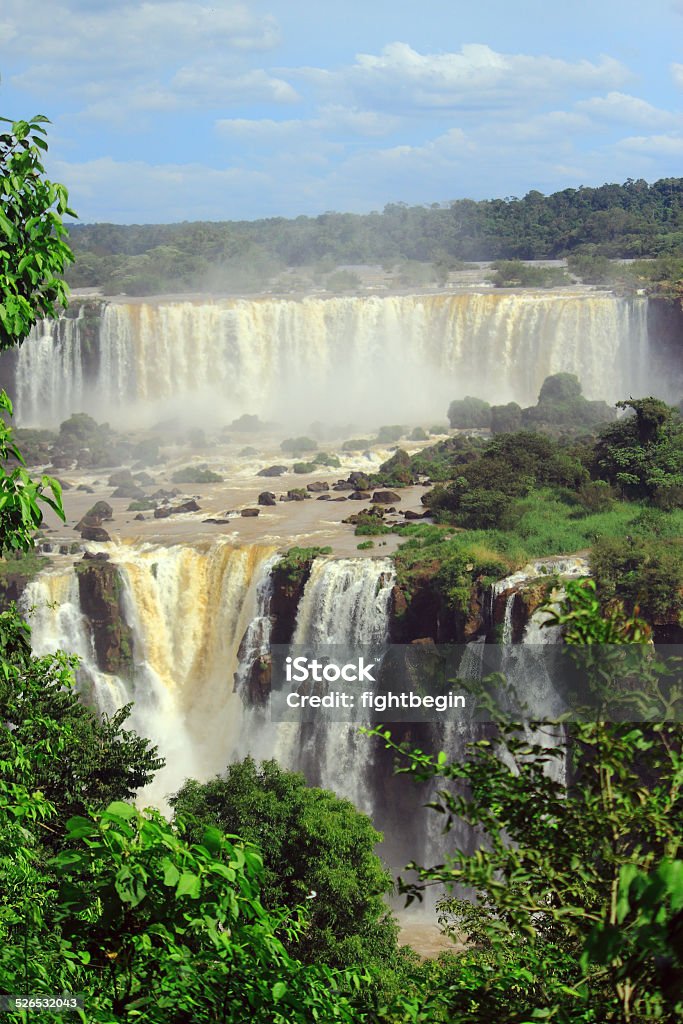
278, 991
189, 885
77, 827
118, 809
171, 873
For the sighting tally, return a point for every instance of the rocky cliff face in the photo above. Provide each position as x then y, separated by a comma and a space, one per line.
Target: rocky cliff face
100, 593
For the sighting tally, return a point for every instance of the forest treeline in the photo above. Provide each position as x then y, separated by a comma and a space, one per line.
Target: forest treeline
635, 220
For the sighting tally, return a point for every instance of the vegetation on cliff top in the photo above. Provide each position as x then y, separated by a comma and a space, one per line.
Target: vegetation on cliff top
632, 220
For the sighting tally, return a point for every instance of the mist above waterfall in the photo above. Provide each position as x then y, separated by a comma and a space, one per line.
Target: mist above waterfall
364, 360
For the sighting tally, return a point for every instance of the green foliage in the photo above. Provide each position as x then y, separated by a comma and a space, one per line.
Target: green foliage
388, 434
343, 281
304, 467
297, 561
20, 495
357, 444
147, 926
469, 412
506, 468
295, 445
369, 525
630, 220
506, 419
326, 459
33, 250
642, 454
95, 760
396, 471
516, 274
449, 563
579, 883
142, 505
312, 842
365, 546
22, 564
644, 573
196, 475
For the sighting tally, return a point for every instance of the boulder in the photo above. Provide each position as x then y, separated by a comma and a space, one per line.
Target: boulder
162, 495
324, 497
96, 556
120, 478
272, 471
360, 481
250, 513
266, 498
96, 533
297, 494
359, 496
131, 491
385, 497
342, 485
144, 479
139, 517
164, 511
98, 514
317, 486
409, 514
187, 506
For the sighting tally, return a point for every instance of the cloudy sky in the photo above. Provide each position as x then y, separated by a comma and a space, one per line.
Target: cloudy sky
167, 110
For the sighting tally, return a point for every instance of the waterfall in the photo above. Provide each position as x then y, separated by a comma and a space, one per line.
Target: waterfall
256, 641
246, 355
187, 609
51, 604
49, 381
345, 602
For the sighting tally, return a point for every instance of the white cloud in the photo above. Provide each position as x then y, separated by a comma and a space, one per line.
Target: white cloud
134, 55
213, 85
264, 130
135, 191
654, 145
618, 107
137, 34
677, 73
475, 78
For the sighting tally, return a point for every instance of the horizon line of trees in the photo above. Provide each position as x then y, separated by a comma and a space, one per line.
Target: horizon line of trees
635, 220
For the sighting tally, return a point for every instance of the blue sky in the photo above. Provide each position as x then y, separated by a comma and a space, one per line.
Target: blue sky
172, 110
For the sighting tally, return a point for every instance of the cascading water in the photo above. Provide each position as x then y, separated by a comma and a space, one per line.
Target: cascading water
51, 604
346, 603
187, 609
241, 355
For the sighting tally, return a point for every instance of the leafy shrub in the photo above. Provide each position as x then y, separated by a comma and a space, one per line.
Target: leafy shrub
326, 459
196, 475
469, 412
357, 444
385, 435
298, 444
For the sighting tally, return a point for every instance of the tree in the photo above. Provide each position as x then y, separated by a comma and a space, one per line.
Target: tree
33, 256
97, 760
579, 883
33, 250
642, 454
469, 412
315, 847
148, 926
